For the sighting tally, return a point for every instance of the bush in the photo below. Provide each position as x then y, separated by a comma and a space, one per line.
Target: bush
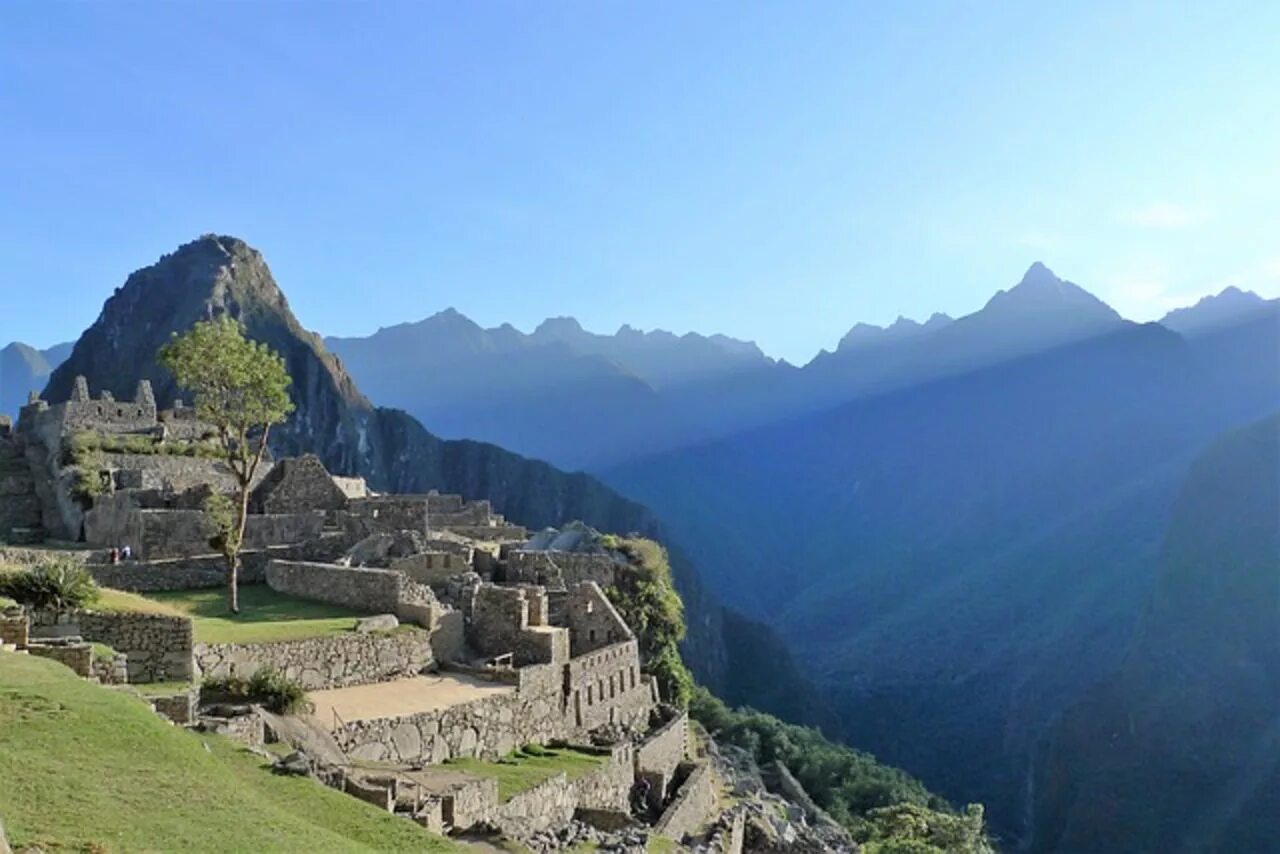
57, 584
267, 687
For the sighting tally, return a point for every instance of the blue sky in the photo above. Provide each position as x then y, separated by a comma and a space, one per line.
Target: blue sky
772, 171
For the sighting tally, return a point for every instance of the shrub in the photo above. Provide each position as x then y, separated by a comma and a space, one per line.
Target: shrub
59, 583
267, 686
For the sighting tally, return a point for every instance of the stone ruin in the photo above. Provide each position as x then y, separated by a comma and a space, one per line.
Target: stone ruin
515, 643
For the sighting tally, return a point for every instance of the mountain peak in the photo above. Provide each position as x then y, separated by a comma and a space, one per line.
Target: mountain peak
1042, 293
1229, 305
557, 327
1038, 275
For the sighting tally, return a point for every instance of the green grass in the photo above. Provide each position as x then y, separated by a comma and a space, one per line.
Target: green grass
530, 766
265, 615
86, 768
660, 845
101, 651
160, 689
118, 601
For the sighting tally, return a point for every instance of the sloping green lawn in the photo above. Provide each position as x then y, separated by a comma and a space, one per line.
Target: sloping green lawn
83, 767
265, 615
529, 766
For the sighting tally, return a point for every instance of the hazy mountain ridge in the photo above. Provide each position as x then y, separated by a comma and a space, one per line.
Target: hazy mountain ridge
581, 397
659, 391
25, 369
1231, 305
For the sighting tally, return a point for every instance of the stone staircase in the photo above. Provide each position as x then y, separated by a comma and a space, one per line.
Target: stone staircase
20, 507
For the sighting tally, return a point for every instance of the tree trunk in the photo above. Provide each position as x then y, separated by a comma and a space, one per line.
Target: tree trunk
233, 575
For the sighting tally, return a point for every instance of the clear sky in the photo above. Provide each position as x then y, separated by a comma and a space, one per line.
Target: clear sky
773, 171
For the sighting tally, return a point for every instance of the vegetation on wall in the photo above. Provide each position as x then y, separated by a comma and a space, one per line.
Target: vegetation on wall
645, 596
82, 446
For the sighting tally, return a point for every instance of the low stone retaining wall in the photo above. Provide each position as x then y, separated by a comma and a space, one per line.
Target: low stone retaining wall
113, 670
661, 753
373, 590
199, 572
14, 629
77, 656
554, 802
337, 661
692, 806
179, 707
157, 647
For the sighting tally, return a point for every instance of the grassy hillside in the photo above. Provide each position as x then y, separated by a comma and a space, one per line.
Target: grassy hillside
83, 767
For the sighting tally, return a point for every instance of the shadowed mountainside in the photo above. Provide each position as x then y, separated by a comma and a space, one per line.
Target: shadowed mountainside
1180, 749
956, 561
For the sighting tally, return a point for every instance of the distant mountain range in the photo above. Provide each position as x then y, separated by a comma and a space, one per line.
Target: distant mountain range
655, 391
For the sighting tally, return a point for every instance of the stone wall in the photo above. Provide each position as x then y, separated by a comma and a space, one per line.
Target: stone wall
169, 473
157, 647
387, 514
553, 803
606, 687
155, 534
560, 569
200, 572
692, 806
111, 670
337, 661
298, 485
179, 707
377, 591
488, 728
14, 629
432, 567
77, 656
512, 620
592, 620
492, 533
661, 752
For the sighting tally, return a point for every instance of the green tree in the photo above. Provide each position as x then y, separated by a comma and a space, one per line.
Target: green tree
241, 388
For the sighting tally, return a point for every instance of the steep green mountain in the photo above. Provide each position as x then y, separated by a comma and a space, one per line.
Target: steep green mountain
1180, 749
218, 275
956, 561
